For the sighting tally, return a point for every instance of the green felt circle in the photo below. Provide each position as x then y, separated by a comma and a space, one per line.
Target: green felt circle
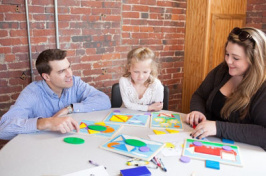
97, 127
74, 140
135, 142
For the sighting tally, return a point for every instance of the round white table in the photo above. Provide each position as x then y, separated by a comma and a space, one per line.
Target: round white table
45, 153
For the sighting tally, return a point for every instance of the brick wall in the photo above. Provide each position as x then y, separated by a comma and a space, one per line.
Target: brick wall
256, 14
97, 36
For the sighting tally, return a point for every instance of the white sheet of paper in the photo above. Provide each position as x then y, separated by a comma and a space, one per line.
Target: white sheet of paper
176, 137
95, 171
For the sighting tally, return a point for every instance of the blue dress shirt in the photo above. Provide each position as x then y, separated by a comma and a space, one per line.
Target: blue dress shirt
37, 100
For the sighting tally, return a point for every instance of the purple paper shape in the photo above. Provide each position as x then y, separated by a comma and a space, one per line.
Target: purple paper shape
116, 110
197, 143
144, 149
185, 159
227, 148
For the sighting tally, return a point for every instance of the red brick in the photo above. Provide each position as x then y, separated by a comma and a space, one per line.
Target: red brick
99, 11
3, 83
15, 17
37, 9
91, 58
3, 33
43, 32
164, 4
146, 29
140, 35
130, 14
13, 41
131, 28
10, 89
111, 56
90, 51
8, 8
18, 65
94, 4
82, 11
92, 71
102, 64
126, 7
140, 8
69, 18
4, 98
18, 33
112, 4
9, 57
70, 32
111, 18
91, 18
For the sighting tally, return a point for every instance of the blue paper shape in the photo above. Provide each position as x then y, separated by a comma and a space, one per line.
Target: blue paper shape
213, 164
228, 141
138, 171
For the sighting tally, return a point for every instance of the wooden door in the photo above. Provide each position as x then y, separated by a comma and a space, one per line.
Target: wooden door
208, 24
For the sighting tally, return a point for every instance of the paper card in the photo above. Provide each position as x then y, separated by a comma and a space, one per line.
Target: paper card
161, 120
139, 148
110, 129
128, 119
205, 150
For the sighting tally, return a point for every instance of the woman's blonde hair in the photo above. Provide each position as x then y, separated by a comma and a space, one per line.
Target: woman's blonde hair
255, 50
142, 54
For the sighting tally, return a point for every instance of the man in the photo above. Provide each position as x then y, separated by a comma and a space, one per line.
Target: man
40, 104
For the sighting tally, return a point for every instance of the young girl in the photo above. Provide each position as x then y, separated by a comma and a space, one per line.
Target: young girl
140, 89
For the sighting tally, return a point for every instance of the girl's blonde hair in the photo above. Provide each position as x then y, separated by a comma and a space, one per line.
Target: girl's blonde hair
142, 54
255, 50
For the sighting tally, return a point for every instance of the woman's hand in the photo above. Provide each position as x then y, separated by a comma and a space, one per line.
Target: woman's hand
204, 129
195, 117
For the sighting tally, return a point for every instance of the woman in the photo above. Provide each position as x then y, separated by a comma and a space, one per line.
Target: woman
231, 101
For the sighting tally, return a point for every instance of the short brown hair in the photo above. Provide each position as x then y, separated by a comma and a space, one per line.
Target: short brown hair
42, 62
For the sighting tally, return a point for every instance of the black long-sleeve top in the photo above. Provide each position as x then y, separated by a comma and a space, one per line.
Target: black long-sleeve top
252, 129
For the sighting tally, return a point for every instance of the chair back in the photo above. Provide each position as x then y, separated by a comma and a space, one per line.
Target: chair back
116, 99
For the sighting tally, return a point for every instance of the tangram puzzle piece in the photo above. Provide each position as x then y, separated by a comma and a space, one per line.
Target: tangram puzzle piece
100, 123
172, 131
169, 145
213, 164
138, 171
157, 132
227, 141
93, 131
120, 118
82, 125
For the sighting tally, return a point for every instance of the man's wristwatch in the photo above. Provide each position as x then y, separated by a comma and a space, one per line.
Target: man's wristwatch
70, 108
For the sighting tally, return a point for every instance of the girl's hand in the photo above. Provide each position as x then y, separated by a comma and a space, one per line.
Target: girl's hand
155, 106
204, 129
195, 117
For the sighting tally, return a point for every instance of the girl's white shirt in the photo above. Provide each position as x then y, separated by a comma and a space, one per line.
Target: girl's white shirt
154, 93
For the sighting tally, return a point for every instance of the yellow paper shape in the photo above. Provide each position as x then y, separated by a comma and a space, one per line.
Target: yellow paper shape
169, 145
93, 131
172, 131
82, 125
100, 123
159, 132
119, 118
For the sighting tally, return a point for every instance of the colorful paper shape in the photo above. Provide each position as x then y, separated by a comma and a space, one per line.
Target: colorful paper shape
98, 128
213, 151
118, 145
213, 164
138, 171
166, 121
127, 119
157, 132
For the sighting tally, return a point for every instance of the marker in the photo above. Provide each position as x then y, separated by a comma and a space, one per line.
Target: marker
163, 167
95, 164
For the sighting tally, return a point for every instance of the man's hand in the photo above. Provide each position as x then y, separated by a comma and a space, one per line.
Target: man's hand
62, 124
